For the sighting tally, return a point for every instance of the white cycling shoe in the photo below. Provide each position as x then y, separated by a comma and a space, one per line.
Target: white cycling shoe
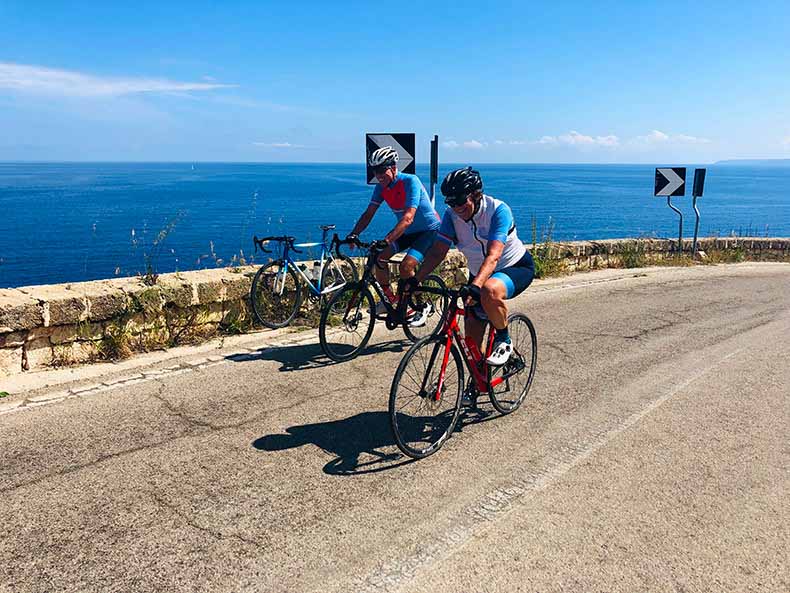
420, 318
500, 354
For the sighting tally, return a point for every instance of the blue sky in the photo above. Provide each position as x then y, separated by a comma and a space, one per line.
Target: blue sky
621, 82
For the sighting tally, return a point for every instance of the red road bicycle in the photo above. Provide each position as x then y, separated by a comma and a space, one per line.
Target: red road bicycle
428, 387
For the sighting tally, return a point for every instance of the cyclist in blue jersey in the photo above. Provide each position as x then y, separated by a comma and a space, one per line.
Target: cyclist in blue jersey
500, 266
417, 221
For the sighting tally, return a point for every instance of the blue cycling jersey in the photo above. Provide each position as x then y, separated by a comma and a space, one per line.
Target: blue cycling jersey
407, 191
493, 221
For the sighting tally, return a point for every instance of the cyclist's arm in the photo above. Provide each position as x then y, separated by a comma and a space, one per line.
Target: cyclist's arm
433, 258
493, 253
403, 224
365, 219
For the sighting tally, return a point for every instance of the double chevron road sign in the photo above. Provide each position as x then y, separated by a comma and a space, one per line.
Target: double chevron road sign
402, 143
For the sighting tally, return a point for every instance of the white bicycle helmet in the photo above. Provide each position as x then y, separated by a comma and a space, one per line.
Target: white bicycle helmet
386, 156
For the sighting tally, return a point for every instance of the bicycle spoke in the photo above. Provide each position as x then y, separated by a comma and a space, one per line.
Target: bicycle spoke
423, 419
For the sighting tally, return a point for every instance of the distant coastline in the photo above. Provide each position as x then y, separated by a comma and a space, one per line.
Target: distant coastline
756, 162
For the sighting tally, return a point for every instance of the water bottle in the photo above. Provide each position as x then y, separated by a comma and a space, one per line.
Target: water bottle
316, 270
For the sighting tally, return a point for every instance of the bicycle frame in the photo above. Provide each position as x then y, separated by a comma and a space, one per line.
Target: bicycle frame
474, 362
326, 257
369, 279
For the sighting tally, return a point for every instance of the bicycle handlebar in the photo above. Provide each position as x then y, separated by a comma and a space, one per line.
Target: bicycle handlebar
450, 293
259, 243
380, 245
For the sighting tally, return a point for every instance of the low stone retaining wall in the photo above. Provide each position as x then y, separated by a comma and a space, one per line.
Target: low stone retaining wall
64, 324
620, 253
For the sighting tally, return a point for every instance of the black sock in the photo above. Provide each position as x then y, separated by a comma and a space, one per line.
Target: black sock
502, 335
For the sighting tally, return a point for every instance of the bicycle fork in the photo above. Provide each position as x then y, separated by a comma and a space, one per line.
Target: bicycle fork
445, 358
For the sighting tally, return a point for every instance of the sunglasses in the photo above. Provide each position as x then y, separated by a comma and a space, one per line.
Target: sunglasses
381, 169
455, 201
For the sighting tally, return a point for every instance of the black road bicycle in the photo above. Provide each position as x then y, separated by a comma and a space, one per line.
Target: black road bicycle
347, 320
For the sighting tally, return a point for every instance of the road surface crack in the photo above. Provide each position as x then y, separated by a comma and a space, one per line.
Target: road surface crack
190, 521
173, 410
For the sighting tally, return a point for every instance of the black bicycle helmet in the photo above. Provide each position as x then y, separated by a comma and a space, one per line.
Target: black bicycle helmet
460, 183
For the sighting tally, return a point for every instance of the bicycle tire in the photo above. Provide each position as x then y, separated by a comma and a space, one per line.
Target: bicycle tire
330, 277
525, 352
271, 309
436, 424
348, 300
439, 305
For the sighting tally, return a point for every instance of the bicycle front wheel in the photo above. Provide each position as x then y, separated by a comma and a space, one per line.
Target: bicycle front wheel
425, 397
518, 372
429, 310
275, 295
347, 322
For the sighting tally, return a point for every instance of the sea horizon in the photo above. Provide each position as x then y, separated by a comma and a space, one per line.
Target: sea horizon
94, 220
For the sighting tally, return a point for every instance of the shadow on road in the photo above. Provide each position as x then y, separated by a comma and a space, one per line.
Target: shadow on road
362, 443
309, 356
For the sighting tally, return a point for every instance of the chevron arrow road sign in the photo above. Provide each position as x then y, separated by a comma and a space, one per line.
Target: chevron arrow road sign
402, 143
670, 182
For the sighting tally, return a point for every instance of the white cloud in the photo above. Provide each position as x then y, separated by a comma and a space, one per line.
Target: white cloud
37, 79
574, 138
278, 145
471, 144
499, 141
517, 142
657, 137
786, 142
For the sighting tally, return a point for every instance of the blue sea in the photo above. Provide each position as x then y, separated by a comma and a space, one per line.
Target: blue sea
62, 222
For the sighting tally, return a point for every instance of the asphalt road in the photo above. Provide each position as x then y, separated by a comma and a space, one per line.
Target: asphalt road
652, 455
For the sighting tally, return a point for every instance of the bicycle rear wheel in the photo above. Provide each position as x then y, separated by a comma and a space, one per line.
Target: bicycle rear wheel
435, 305
275, 294
347, 322
423, 416
519, 370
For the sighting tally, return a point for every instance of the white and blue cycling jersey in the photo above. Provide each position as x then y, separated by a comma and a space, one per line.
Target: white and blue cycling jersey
493, 221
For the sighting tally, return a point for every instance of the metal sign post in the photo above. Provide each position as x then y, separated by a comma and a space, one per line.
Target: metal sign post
696, 191
672, 182
434, 168
402, 143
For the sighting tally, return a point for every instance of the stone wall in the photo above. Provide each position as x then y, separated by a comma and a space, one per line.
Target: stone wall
64, 324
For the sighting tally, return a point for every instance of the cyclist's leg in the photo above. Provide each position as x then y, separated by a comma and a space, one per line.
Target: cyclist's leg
492, 298
418, 245
475, 328
382, 270
503, 285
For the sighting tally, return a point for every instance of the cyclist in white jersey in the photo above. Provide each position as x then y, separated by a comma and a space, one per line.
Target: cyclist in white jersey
500, 266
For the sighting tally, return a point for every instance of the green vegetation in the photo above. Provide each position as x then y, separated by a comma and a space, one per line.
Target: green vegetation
633, 255
544, 253
726, 256
4, 394
152, 252
116, 343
